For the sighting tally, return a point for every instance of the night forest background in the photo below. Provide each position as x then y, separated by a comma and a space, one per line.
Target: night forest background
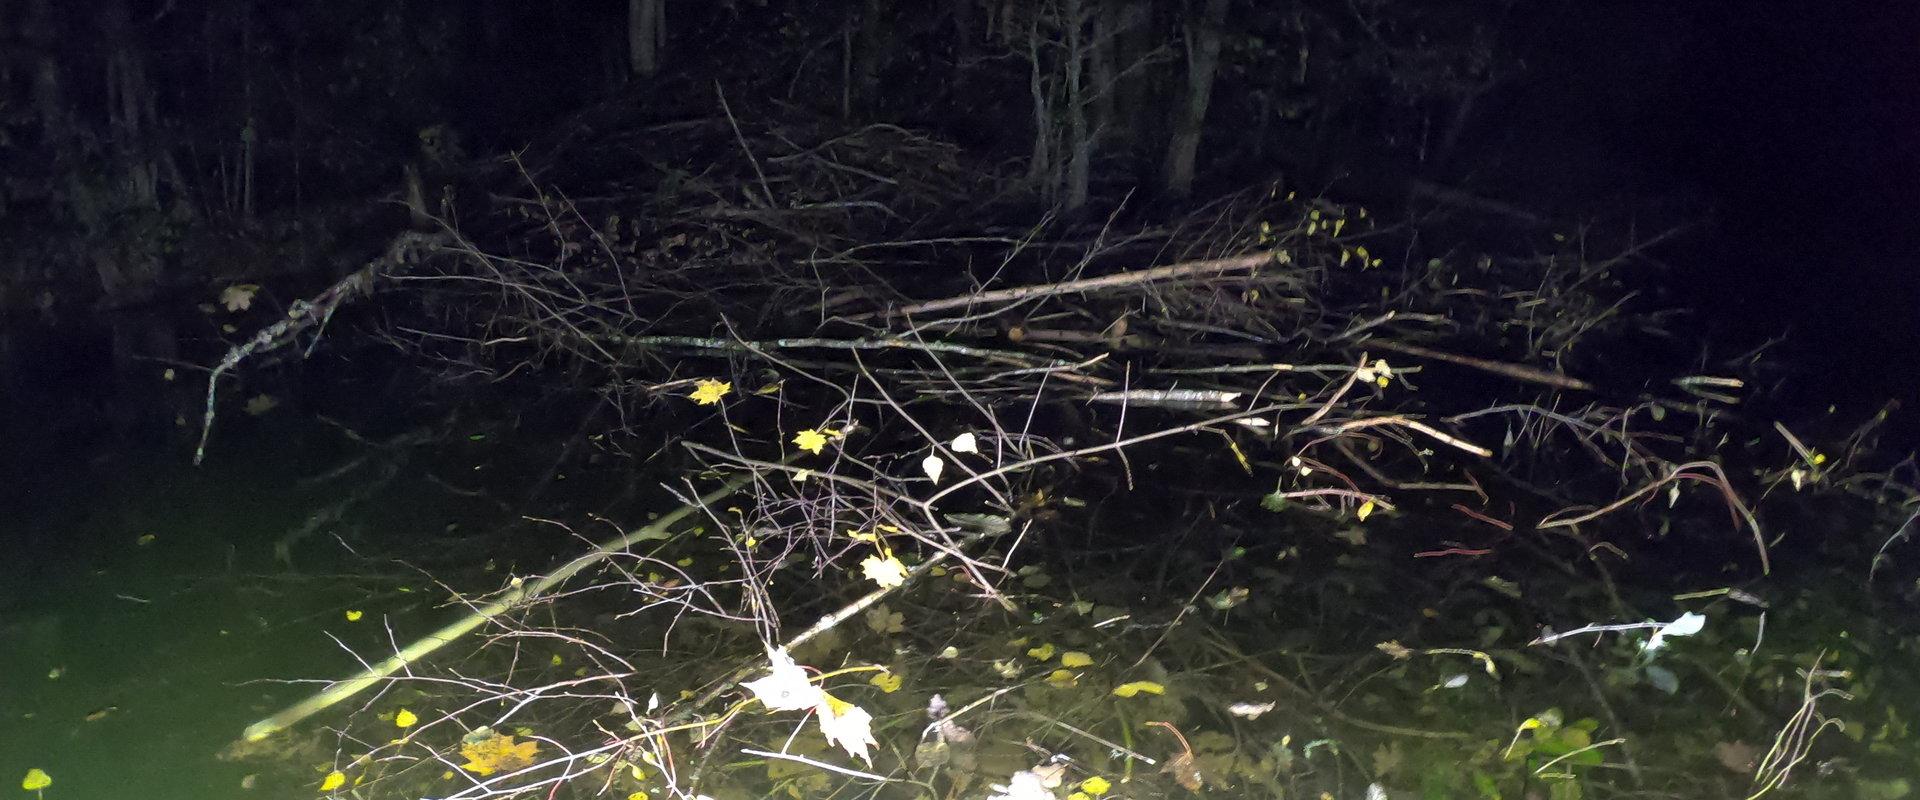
147, 142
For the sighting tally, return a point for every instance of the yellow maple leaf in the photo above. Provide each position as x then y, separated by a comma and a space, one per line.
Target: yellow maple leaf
888, 572
708, 391
810, 440
334, 780
497, 753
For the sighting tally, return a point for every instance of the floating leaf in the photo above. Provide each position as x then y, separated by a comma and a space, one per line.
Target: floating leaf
335, 780
1096, 786
885, 620
708, 391
1185, 770
261, 404
965, 443
354, 614
1062, 679
1136, 687
1250, 710
933, 466
1663, 679
405, 719
1042, 653
888, 682
1229, 598
810, 440
36, 780
888, 571
1074, 659
847, 725
495, 752
785, 688
238, 297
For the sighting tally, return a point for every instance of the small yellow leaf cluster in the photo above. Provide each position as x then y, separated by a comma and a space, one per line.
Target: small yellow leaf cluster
1380, 373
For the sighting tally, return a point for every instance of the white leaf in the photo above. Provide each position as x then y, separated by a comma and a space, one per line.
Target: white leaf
888, 571
1249, 710
1023, 785
1688, 624
965, 443
847, 725
933, 466
786, 687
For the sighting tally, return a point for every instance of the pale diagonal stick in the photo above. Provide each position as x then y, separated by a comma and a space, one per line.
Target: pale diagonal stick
1208, 267
511, 599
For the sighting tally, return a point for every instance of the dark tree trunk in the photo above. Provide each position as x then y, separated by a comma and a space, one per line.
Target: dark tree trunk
1203, 60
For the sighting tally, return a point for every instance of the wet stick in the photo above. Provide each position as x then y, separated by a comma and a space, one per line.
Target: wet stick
514, 597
